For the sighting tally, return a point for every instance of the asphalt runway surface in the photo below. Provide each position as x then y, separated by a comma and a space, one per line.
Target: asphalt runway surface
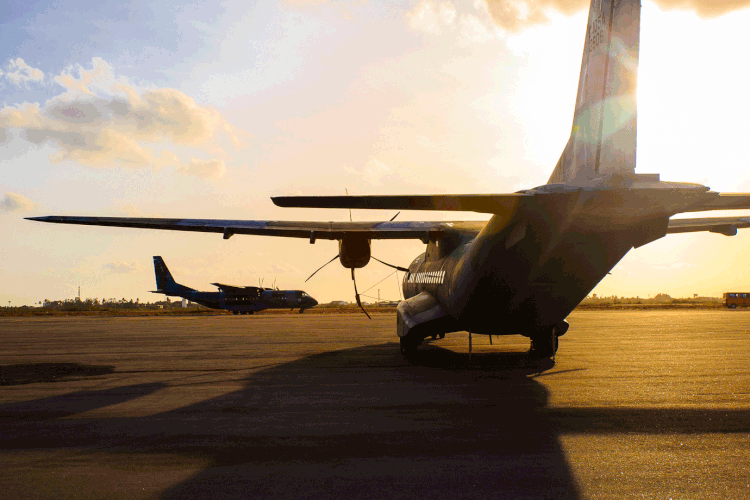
637, 405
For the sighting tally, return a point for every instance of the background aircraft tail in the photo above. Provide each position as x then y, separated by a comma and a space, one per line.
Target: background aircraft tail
602, 141
164, 281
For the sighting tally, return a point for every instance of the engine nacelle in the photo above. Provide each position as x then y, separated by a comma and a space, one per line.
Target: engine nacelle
354, 252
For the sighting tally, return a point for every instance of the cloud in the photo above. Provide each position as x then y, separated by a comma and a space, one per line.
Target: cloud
436, 18
207, 169
431, 17
20, 73
281, 268
472, 31
13, 202
122, 267
103, 121
514, 15
373, 172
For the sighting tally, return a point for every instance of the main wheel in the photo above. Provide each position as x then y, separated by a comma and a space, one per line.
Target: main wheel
235, 312
543, 346
408, 347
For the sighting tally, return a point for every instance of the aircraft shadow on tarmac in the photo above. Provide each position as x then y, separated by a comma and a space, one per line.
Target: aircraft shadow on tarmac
360, 423
31, 373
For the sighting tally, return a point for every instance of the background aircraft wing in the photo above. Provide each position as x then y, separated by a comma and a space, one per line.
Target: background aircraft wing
229, 288
721, 225
313, 230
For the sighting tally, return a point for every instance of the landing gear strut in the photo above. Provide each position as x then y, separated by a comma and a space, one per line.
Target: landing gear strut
544, 346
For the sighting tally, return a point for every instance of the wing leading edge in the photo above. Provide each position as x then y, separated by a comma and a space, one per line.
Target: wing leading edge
424, 231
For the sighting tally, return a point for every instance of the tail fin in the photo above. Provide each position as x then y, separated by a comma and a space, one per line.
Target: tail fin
164, 280
165, 283
602, 141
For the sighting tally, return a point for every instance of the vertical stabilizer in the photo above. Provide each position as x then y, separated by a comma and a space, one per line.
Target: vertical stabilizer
602, 141
164, 281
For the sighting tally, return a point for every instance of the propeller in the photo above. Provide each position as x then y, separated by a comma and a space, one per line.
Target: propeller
321, 267
356, 292
398, 268
350, 210
356, 296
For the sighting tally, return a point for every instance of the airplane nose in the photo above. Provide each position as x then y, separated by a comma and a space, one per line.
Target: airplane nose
313, 302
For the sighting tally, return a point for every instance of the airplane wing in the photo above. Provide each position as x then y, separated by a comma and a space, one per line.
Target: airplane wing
722, 225
424, 231
230, 288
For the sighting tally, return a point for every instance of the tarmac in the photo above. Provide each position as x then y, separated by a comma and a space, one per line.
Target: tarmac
644, 404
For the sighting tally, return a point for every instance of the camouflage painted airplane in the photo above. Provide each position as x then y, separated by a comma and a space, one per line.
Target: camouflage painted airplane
544, 249
238, 299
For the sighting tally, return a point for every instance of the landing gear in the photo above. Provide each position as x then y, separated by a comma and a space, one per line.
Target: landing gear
543, 346
408, 347
235, 312
301, 311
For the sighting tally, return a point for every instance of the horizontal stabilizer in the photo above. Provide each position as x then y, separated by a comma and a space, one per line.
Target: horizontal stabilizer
722, 225
724, 201
483, 203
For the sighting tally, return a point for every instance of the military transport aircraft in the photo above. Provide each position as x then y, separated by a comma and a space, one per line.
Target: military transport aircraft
238, 299
544, 249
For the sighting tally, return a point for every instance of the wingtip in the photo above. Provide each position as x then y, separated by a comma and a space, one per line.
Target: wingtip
280, 201
39, 219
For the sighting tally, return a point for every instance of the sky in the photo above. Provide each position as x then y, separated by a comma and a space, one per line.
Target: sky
206, 110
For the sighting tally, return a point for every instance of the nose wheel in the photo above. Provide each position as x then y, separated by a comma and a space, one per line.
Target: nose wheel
544, 346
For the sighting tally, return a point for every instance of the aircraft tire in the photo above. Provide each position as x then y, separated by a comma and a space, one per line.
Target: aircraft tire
441, 335
408, 348
434, 336
544, 346
235, 312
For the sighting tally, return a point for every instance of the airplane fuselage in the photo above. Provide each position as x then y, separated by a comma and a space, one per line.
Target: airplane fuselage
524, 272
268, 299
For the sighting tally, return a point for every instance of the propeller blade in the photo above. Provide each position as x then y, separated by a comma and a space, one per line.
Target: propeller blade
356, 296
402, 269
350, 210
321, 267
394, 217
